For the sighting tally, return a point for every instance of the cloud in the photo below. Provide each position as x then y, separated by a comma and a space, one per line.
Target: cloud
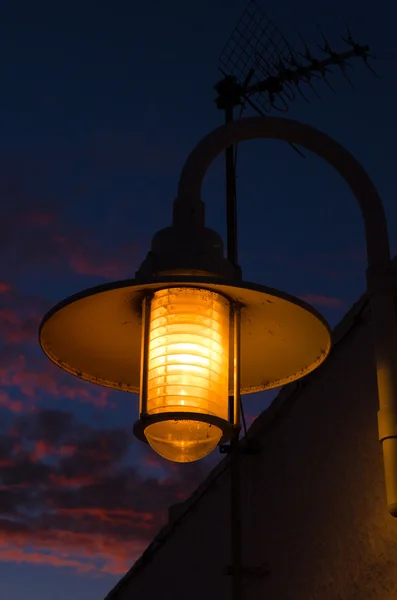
72, 495
35, 238
69, 498
51, 245
26, 375
19, 556
323, 301
33, 378
15, 406
4, 287
20, 315
44, 239
86, 257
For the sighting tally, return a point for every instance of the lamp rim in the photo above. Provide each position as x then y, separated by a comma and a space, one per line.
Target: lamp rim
146, 419
75, 334
160, 283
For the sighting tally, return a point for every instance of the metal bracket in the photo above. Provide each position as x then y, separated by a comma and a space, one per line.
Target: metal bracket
224, 448
229, 93
248, 447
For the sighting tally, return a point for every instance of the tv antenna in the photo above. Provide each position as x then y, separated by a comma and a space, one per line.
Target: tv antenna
261, 69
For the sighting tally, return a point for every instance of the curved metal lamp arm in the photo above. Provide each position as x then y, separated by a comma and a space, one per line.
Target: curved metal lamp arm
200, 159
188, 208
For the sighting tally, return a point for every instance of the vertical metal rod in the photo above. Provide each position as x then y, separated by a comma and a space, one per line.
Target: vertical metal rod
231, 411
235, 483
236, 364
231, 206
144, 353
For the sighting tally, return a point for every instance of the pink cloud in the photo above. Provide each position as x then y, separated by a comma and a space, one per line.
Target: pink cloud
18, 329
44, 449
81, 552
20, 366
18, 555
82, 510
111, 516
84, 265
4, 287
69, 499
85, 256
40, 219
33, 382
324, 301
63, 481
7, 315
15, 406
153, 460
43, 239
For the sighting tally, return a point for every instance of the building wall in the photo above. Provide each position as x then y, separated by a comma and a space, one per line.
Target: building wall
314, 503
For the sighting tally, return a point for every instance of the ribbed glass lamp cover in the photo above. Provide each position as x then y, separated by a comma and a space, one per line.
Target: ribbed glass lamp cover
188, 370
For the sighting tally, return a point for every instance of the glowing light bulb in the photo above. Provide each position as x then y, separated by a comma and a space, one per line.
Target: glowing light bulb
188, 368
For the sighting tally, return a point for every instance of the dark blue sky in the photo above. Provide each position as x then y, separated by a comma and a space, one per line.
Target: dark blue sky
100, 104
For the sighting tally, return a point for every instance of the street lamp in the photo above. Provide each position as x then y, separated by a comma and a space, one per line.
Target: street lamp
190, 335
187, 334
188, 341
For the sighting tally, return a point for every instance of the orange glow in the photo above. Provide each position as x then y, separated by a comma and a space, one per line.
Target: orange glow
188, 368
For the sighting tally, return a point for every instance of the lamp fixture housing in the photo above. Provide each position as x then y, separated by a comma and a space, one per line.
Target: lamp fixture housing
188, 335
99, 336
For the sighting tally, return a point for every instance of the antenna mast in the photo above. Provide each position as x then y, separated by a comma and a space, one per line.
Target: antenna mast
261, 69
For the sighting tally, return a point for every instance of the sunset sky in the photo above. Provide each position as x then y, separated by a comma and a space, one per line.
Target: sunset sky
100, 104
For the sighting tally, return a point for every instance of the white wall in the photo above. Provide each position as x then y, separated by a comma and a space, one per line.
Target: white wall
314, 502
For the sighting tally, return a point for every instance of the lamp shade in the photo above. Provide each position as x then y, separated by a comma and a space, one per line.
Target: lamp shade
98, 335
187, 371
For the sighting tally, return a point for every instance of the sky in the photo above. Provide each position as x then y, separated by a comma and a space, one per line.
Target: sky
100, 105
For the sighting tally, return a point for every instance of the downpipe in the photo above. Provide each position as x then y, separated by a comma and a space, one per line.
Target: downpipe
382, 286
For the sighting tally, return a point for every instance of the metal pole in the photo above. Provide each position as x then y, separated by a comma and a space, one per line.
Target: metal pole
235, 515
144, 353
231, 206
382, 290
235, 482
